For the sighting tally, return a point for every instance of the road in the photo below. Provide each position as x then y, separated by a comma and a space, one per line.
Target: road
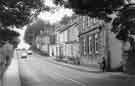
37, 71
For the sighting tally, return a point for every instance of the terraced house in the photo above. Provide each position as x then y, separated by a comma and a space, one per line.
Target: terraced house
68, 40
98, 43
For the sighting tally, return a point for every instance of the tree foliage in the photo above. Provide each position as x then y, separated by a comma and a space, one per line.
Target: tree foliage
18, 12
33, 30
93, 8
8, 35
125, 22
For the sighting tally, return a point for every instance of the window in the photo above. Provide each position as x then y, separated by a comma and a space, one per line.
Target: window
84, 21
90, 47
84, 47
96, 42
89, 21
94, 21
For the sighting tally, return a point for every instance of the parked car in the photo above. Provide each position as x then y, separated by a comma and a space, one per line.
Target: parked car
24, 55
29, 52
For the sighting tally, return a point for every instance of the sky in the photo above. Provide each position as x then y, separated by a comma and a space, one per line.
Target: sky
22, 43
56, 15
52, 17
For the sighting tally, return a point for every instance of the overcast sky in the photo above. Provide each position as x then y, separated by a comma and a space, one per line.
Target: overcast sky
52, 17
57, 14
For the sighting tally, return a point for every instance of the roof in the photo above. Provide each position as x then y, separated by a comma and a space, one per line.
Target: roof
67, 27
63, 27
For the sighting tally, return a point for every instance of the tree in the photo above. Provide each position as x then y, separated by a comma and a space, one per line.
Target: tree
18, 12
123, 24
93, 8
33, 30
8, 35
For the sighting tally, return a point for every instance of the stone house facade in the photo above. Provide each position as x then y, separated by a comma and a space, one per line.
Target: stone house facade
98, 42
68, 40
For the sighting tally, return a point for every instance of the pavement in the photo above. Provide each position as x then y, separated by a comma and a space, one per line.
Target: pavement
11, 76
109, 75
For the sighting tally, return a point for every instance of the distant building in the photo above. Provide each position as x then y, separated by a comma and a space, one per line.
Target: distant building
68, 40
45, 40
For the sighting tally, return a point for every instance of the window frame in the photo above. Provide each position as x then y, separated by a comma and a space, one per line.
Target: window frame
90, 42
84, 22
89, 21
84, 47
96, 36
